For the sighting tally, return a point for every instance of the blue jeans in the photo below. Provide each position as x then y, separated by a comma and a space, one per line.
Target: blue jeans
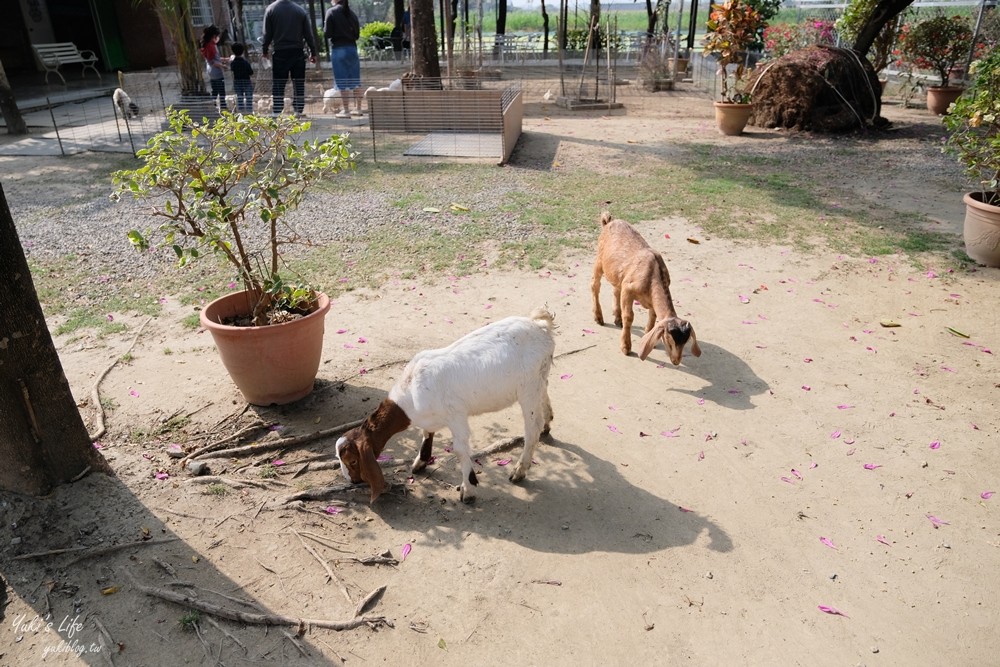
244, 95
289, 63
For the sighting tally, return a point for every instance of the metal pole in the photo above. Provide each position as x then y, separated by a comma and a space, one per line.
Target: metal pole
975, 36
53, 117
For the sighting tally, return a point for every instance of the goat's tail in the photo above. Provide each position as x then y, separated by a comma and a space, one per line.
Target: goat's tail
605, 218
543, 315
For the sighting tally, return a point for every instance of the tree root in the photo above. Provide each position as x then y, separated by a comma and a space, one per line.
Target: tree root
95, 392
282, 443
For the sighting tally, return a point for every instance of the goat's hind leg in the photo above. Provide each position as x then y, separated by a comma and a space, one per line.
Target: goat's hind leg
424, 456
537, 415
460, 441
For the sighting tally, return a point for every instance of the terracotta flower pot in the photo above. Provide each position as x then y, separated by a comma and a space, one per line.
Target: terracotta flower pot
731, 117
982, 230
274, 364
939, 98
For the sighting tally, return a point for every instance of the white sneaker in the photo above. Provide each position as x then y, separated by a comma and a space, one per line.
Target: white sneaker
357, 113
342, 114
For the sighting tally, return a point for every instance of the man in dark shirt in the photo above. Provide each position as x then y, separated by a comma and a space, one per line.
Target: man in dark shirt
288, 29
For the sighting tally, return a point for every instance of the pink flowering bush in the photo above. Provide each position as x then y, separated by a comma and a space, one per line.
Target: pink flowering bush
782, 38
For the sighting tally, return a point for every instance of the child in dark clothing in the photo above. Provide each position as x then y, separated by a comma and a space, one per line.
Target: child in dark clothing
210, 49
242, 85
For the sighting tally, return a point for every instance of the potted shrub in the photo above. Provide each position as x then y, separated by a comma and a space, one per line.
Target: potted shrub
732, 28
973, 123
938, 44
225, 189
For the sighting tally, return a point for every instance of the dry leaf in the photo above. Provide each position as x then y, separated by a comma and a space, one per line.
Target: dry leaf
110, 590
890, 323
695, 241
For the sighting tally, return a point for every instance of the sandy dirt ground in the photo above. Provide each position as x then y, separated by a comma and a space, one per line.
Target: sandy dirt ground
815, 489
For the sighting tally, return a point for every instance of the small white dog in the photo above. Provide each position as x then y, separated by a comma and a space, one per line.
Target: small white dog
126, 106
330, 96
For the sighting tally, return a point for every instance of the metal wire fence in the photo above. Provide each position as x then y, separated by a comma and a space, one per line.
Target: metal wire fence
59, 127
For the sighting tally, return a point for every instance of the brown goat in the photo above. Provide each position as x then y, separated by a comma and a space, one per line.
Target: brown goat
638, 273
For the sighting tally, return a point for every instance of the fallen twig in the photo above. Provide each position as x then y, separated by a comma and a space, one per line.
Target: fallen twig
321, 492
95, 392
566, 354
293, 441
218, 627
259, 424
167, 567
256, 619
295, 642
329, 572
502, 446
189, 516
216, 479
93, 552
371, 598
231, 598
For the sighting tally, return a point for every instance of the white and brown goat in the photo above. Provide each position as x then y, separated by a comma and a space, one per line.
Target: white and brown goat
500, 364
638, 273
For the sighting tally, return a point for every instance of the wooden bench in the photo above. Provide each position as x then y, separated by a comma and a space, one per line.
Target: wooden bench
487, 111
52, 56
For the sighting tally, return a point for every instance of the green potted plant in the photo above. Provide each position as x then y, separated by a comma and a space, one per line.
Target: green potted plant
938, 44
732, 28
973, 123
224, 188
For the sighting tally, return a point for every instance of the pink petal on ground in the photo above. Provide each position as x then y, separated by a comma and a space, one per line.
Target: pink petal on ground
503, 462
672, 433
684, 509
701, 401
348, 346
733, 392
844, 407
406, 550
787, 480
807, 387
832, 610
613, 428
588, 331
613, 408
828, 542
850, 452
111, 318
133, 393
148, 457
98, 445
565, 376
332, 510
277, 462
872, 466
936, 521
835, 435
488, 306
881, 538
341, 331
701, 455
796, 473
813, 465
949, 369
363, 371
871, 349
974, 426
362, 339
807, 360
935, 445
162, 476
931, 274
666, 236
986, 495
743, 299
849, 441
383, 457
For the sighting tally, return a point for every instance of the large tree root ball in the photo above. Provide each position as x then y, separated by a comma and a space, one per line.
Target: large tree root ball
820, 89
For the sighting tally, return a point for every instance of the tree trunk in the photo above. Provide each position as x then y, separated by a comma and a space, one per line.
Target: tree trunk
43, 440
545, 31
884, 11
8, 106
424, 40
595, 24
176, 16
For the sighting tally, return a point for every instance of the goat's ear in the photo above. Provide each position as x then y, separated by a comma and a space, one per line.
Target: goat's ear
371, 471
695, 350
648, 341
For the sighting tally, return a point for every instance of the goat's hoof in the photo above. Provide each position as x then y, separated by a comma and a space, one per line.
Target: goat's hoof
599, 321
418, 466
517, 474
467, 496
